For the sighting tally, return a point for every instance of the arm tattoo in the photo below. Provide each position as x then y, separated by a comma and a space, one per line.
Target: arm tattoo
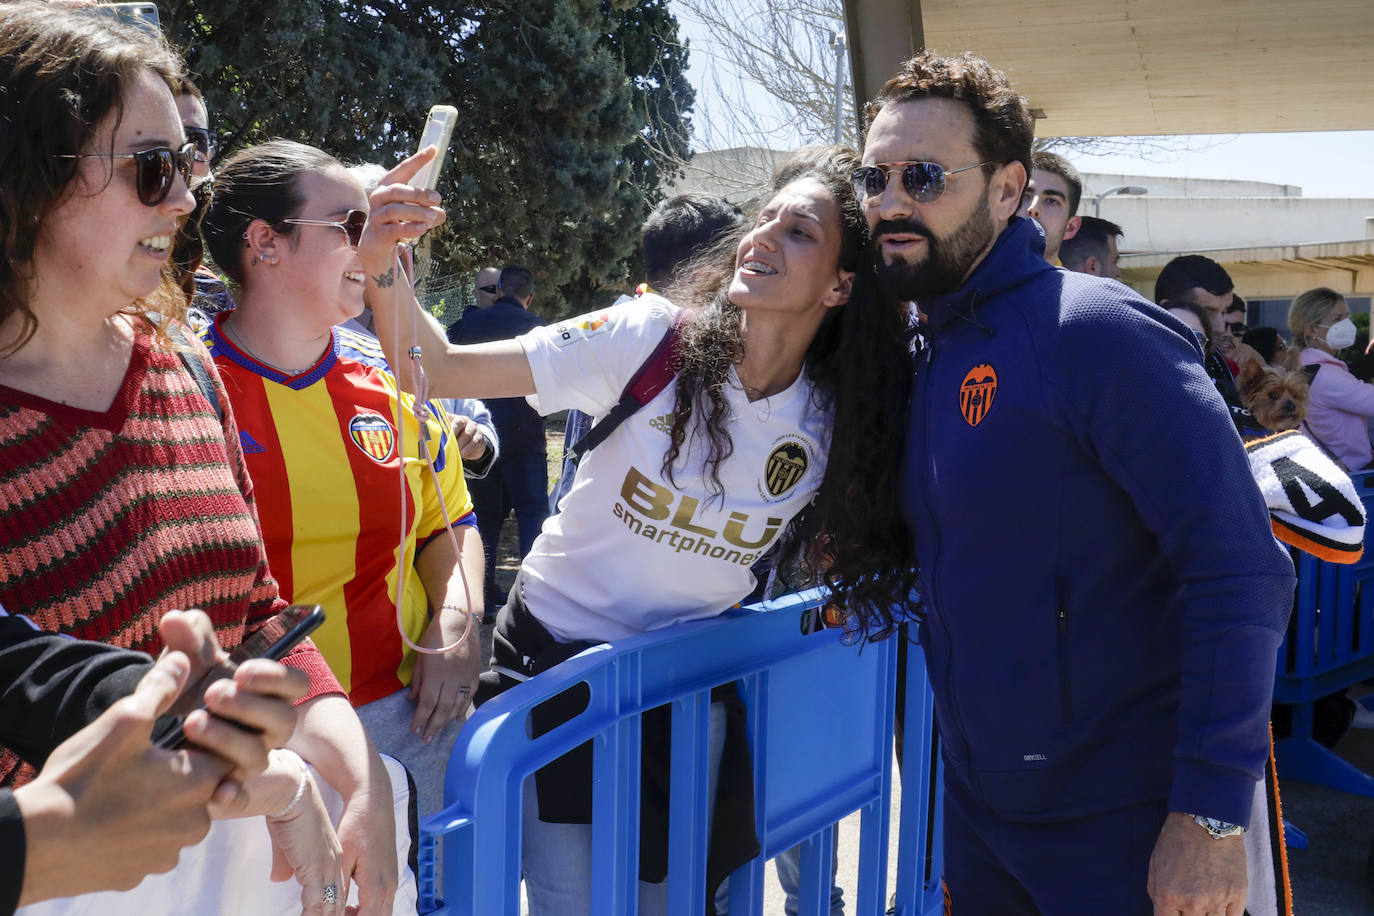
387, 279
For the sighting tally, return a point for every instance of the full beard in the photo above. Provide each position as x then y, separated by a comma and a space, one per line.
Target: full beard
947, 262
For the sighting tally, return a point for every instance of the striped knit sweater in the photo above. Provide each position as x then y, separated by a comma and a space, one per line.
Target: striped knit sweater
108, 520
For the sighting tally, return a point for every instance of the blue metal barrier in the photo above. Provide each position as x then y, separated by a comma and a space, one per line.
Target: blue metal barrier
820, 729
1329, 647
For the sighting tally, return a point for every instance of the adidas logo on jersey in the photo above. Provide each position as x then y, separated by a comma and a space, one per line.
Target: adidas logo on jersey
663, 424
249, 445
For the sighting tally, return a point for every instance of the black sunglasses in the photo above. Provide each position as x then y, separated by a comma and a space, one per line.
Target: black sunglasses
204, 142
923, 181
493, 289
352, 225
156, 169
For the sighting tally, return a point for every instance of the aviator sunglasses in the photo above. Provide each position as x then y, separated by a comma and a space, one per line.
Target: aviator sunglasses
156, 169
923, 181
352, 225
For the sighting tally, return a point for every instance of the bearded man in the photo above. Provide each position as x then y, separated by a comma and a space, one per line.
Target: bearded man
1103, 593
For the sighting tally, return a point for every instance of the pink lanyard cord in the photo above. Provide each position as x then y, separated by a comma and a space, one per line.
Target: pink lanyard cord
420, 410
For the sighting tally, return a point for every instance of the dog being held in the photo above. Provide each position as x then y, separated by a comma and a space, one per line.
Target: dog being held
1276, 396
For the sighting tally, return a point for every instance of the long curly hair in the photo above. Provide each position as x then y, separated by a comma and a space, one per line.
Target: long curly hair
854, 540
63, 73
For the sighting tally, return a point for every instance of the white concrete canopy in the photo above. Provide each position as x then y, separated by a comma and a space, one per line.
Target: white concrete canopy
1135, 67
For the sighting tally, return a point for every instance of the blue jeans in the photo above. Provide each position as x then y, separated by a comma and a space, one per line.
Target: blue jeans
557, 858
578, 423
788, 864
518, 481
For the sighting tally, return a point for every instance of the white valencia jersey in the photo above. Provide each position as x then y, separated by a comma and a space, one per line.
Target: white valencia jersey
628, 551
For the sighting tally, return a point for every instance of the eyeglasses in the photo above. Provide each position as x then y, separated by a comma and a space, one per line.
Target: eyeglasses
491, 290
1236, 328
204, 142
352, 225
156, 169
924, 181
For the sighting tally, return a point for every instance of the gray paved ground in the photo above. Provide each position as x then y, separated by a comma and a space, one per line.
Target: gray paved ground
1329, 876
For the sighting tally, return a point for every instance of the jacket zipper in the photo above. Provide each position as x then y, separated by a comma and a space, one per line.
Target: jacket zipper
1062, 627
932, 477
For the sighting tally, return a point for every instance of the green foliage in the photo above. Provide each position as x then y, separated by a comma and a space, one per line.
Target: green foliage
571, 114
353, 79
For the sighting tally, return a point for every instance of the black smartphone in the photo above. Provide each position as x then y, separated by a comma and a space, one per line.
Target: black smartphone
272, 640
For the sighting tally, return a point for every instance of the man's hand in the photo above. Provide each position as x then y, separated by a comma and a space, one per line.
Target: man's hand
259, 698
472, 443
443, 686
1195, 875
110, 807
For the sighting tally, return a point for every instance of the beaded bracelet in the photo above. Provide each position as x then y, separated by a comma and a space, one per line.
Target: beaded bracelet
300, 788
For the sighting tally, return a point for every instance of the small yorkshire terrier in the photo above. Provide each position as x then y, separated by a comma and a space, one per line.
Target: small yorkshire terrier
1276, 396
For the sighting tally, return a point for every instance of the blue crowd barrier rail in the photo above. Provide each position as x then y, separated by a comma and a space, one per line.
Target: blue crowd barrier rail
820, 732
1329, 646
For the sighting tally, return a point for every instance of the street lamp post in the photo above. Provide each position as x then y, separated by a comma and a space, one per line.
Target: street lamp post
1132, 190
837, 45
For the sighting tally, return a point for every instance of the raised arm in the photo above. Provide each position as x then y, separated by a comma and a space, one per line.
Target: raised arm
400, 214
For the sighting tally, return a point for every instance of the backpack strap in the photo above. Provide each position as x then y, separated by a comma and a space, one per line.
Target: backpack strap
197, 369
655, 374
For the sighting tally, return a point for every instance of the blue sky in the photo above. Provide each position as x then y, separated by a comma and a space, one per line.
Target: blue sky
1329, 164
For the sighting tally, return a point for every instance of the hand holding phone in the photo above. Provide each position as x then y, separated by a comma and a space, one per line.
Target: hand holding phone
273, 640
437, 133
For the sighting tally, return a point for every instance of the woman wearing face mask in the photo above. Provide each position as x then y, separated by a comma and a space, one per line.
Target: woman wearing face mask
1340, 404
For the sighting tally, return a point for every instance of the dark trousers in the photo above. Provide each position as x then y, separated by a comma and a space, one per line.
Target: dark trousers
518, 481
1087, 866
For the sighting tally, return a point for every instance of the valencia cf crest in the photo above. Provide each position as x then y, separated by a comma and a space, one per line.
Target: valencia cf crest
374, 435
785, 468
977, 393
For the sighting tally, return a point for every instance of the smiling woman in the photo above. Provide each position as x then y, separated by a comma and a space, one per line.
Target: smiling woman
789, 374
319, 405
125, 493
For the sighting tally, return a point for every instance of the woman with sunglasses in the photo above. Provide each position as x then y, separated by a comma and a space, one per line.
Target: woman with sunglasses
787, 368
316, 407
124, 494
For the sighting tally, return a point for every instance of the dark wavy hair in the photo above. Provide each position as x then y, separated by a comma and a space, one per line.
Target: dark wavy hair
261, 182
855, 540
63, 74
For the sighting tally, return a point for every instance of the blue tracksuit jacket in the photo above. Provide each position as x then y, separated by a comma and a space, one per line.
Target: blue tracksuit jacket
1104, 595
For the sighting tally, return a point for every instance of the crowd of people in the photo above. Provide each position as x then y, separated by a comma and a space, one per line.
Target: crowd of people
219, 392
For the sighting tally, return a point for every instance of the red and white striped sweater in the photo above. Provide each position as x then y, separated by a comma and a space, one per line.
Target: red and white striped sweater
108, 520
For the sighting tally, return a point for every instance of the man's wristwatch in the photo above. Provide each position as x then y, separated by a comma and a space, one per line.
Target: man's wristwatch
1217, 830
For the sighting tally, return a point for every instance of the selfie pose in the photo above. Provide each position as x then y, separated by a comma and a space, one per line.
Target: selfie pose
316, 407
125, 492
781, 365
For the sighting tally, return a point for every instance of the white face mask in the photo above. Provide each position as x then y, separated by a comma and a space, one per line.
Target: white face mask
1341, 334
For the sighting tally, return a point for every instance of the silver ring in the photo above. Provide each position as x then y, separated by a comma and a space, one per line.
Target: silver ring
331, 893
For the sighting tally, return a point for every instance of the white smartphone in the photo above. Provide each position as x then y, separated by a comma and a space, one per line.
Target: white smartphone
143, 15
437, 133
